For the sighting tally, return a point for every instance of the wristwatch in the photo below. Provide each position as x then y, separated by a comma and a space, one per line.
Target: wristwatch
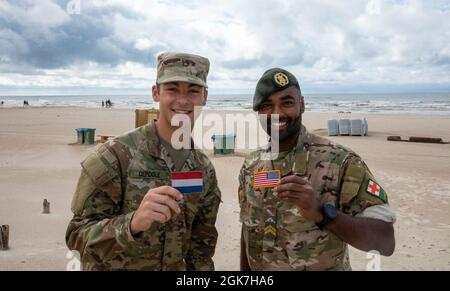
329, 213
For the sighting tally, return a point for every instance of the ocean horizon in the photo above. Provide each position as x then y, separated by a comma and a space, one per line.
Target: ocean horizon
421, 103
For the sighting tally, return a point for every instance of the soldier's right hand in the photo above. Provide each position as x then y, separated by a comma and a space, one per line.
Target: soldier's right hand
157, 205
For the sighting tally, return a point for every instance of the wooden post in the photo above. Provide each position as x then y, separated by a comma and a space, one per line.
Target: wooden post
46, 207
4, 237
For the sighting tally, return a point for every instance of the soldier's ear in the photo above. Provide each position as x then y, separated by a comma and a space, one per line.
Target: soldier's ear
155, 93
302, 104
206, 96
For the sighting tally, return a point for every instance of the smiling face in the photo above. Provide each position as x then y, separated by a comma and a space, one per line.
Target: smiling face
289, 105
178, 98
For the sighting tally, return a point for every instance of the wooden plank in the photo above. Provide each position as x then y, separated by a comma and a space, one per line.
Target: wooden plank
417, 139
425, 139
395, 138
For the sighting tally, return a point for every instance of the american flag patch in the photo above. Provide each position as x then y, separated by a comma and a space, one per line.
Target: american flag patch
266, 179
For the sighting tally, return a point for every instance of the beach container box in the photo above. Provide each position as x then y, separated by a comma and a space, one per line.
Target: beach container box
356, 127
80, 135
333, 127
365, 127
344, 127
224, 144
143, 116
89, 135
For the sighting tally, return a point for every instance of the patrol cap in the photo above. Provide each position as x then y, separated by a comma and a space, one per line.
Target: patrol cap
182, 67
272, 81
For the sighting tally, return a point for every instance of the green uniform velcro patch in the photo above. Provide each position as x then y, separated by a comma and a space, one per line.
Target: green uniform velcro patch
374, 189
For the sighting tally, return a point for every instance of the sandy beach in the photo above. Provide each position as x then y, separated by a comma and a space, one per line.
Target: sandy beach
38, 160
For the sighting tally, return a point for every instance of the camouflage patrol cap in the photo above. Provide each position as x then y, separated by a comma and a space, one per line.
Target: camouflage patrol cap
182, 67
272, 81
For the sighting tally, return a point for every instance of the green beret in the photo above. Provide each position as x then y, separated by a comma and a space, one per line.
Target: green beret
272, 81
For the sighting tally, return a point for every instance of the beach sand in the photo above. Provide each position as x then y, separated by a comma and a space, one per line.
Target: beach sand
38, 160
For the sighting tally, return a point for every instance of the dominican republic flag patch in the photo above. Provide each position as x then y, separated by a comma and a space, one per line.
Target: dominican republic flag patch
376, 190
266, 179
187, 182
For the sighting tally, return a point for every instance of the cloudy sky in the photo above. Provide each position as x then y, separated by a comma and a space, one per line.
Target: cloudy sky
58, 46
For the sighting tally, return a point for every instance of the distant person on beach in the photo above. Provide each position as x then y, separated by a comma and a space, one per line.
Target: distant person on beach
141, 204
2, 103
103, 103
108, 103
301, 209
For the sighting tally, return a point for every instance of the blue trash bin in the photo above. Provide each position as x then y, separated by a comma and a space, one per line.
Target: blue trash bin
224, 144
89, 135
80, 135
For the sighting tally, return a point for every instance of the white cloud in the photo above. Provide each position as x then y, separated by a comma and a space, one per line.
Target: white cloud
325, 43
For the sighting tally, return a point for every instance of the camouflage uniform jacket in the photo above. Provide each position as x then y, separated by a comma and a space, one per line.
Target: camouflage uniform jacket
276, 236
113, 181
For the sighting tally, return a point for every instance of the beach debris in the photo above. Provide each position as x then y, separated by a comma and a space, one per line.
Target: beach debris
425, 139
46, 207
4, 237
417, 139
395, 138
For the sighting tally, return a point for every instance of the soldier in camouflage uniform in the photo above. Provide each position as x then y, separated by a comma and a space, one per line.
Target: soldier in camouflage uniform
126, 214
325, 198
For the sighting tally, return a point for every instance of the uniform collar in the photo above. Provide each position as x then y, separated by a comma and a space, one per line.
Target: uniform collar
157, 150
297, 157
303, 140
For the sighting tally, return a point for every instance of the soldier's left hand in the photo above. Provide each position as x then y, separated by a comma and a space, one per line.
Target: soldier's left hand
298, 191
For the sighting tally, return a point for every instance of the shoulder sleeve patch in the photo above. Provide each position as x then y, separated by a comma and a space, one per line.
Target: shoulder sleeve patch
352, 181
359, 188
84, 189
373, 188
98, 168
101, 167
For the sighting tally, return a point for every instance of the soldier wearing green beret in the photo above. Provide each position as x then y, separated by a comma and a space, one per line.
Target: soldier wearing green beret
300, 210
141, 204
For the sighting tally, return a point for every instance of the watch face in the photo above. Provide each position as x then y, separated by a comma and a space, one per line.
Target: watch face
330, 211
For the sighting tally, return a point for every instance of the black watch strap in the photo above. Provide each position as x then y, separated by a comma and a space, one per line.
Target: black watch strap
325, 220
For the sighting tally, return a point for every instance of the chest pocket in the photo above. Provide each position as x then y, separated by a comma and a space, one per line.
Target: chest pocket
252, 202
139, 182
190, 206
